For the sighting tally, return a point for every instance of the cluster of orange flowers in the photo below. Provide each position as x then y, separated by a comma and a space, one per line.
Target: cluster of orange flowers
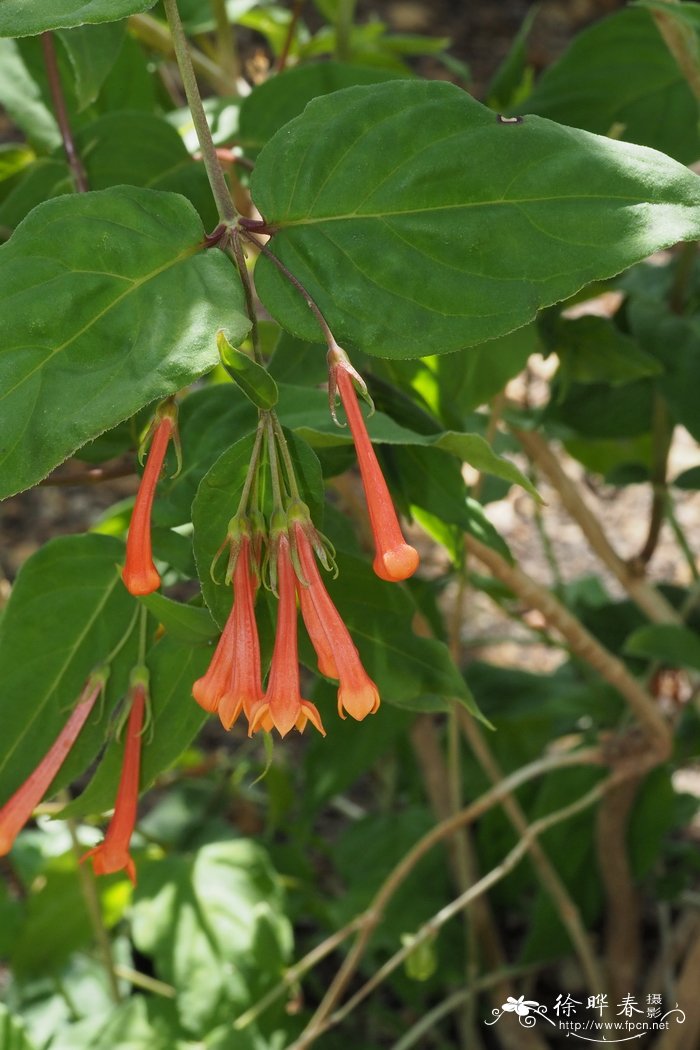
233, 683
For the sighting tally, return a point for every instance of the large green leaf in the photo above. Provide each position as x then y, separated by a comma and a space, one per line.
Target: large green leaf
18, 18
67, 611
619, 75
92, 52
107, 302
419, 222
215, 928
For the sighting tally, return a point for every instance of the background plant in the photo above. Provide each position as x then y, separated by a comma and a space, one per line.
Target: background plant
444, 243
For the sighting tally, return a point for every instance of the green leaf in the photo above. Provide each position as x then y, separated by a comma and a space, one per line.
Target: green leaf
593, 350
186, 623
214, 927
674, 645
92, 51
687, 14
21, 97
217, 499
513, 78
306, 412
255, 381
407, 247
109, 302
177, 719
619, 76
67, 611
18, 18
12, 1032
279, 99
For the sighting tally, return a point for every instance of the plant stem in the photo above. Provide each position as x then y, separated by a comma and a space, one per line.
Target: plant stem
373, 915
343, 29
59, 104
296, 972
649, 600
277, 500
322, 323
583, 644
252, 466
681, 538
88, 889
240, 260
226, 47
661, 437
154, 34
567, 909
217, 179
286, 457
291, 29
319, 1024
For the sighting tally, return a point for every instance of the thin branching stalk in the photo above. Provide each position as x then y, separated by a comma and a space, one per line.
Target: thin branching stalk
583, 645
155, 35
652, 604
217, 179
434, 924
374, 914
59, 106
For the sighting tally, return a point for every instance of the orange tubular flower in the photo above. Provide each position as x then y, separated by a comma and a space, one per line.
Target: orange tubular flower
244, 690
358, 695
113, 853
395, 559
209, 689
282, 706
140, 574
17, 811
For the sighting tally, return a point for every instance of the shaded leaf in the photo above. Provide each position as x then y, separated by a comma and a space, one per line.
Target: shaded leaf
92, 51
255, 381
672, 644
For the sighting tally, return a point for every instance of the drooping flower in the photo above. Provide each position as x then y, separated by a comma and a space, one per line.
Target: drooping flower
282, 706
17, 811
112, 854
209, 689
140, 574
244, 691
357, 693
394, 559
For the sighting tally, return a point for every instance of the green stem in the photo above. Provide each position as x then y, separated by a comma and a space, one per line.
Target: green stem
286, 457
252, 466
322, 323
217, 179
143, 640
343, 29
274, 466
92, 904
59, 104
124, 638
226, 48
240, 260
681, 538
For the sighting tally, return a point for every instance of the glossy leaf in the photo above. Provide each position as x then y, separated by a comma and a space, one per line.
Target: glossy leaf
107, 299
186, 623
214, 926
619, 76
255, 381
18, 18
407, 247
67, 611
